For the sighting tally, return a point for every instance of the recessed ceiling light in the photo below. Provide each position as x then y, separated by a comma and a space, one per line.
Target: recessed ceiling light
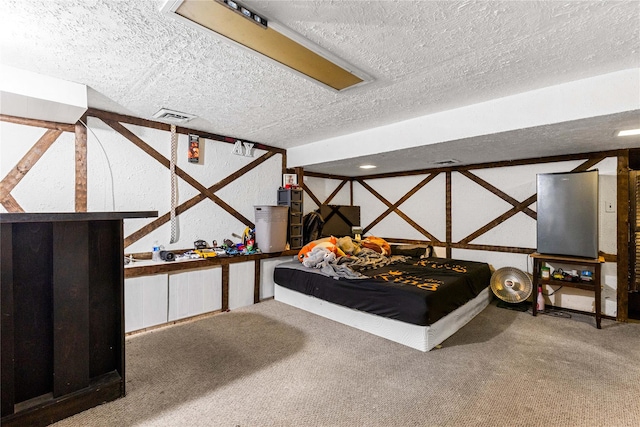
368, 166
629, 132
230, 20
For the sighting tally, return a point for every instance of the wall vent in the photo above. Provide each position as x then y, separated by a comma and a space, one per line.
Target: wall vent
172, 116
447, 162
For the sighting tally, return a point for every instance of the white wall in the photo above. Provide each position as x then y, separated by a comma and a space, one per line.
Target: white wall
473, 207
121, 177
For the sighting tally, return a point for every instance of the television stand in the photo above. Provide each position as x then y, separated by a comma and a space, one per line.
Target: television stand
593, 264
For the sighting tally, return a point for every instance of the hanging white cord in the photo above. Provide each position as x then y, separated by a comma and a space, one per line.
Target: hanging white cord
174, 184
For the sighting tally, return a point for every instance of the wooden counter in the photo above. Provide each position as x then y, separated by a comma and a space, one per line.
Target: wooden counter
62, 330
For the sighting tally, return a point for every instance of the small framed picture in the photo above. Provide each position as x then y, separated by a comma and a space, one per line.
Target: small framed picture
289, 180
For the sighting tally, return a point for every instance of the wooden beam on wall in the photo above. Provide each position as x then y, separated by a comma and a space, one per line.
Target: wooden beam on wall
448, 220
179, 172
63, 127
114, 117
81, 167
25, 164
623, 238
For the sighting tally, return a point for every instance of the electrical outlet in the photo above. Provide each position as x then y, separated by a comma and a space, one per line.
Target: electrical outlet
609, 207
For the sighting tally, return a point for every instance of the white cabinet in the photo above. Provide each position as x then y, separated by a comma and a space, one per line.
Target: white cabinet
241, 284
146, 299
194, 292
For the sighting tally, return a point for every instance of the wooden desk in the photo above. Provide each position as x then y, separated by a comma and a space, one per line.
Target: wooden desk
62, 330
592, 263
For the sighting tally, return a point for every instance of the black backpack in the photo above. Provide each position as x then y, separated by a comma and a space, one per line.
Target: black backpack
312, 224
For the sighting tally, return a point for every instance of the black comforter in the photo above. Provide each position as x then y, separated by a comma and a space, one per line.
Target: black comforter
418, 291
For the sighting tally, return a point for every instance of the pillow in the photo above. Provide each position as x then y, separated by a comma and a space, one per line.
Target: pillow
414, 251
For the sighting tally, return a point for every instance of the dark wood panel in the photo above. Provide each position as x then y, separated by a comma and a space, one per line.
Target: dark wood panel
103, 389
70, 307
72, 216
33, 313
105, 297
225, 287
256, 281
623, 237
6, 308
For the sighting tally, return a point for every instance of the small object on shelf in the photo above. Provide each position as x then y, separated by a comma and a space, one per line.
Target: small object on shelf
155, 255
586, 275
545, 272
540, 300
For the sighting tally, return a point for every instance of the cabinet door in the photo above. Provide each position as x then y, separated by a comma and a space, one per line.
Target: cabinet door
146, 300
194, 292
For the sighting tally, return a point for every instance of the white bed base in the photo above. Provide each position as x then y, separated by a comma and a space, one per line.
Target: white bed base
422, 338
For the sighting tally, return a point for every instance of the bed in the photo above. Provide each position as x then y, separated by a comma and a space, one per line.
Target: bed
415, 302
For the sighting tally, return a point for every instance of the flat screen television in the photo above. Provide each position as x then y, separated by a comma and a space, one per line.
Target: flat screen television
567, 208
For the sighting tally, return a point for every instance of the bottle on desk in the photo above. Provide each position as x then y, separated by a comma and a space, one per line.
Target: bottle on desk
155, 254
540, 300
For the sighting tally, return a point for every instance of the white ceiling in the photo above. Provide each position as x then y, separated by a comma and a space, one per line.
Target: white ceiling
425, 57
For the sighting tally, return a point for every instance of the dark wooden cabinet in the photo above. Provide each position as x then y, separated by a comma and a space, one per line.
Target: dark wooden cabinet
593, 265
292, 198
62, 330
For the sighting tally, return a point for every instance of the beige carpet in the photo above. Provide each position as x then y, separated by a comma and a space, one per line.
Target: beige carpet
274, 365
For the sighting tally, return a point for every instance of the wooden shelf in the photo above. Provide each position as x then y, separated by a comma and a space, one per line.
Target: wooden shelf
539, 260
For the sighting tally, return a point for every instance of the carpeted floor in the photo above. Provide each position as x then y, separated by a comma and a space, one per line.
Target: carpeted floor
274, 365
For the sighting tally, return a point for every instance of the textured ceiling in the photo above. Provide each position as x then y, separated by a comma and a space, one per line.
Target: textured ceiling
424, 56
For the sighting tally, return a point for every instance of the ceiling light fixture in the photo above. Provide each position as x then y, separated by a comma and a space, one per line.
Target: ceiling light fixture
629, 132
368, 166
229, 20
249, 14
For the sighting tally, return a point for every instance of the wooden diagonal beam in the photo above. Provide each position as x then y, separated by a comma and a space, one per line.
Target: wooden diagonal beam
310, 194
10, 204
518, 206
25, 164
153, 225
181, 173
401, 201
335, 192
397, 211
504, 196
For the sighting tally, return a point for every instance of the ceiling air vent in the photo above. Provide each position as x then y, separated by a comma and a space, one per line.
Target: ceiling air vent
172, 116
447, 162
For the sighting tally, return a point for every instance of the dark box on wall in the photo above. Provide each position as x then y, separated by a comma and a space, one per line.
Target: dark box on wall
339, 219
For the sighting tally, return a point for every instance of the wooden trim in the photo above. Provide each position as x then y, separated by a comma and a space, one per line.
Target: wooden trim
335, 192
137, 235
501, 194
7, 321
397, 211
351, 192
623, 237
225, 287
63, 127
23, 167
11, 204
81, 167
403, 199
449, 221
179, 172
489, 165
327, 176
499, 220
310, 194
114, 117
256, 281
171, 267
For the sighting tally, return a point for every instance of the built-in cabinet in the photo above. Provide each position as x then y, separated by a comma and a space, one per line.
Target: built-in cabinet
157, 299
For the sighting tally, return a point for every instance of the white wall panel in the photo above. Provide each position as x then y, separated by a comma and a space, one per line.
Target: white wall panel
146, 300
241, 284
194, 292
266, 275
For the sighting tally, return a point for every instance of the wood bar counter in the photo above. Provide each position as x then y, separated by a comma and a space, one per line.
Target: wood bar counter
62, 329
